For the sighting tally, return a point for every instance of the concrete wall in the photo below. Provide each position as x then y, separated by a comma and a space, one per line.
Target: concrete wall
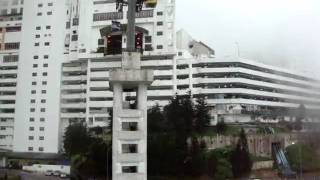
259, 145
262, 165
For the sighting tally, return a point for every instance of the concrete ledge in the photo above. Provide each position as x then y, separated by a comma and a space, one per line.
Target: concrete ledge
131, 76
130, 176
130, 135
130, 113
131, 158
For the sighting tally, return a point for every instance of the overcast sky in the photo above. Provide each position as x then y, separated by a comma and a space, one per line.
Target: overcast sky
279, 32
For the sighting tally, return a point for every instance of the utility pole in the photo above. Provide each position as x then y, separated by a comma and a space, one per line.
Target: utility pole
129, 145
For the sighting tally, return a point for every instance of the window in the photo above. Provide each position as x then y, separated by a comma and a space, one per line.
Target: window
74, 38
34, 74
44, 82
41, 138
2, 128
43, 101
39, 14
129, 169
100, 41
34, 83
129, 126
49, 13
159, 47
31, 119
47, 43
129, 148
13, 29
33, 92
46, 56
31, 128
44, 91
32, 109
159, 33
48, 27
35, 57
31, 137
40, 5
37, 35
41, 128
38, 28
42, 119
41, 149
30, 148
160, 23
75, 21
43, 109
160, 13
10, 46
148, 39
45, 74
36, 44
35, 65
45, 65
50, 4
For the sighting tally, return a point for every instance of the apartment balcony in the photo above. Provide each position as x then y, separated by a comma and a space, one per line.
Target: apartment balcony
7, 97
102, 74
7, 106
100, 103
162, 83
160, 92
8, 131
8, 80
74, 78
73, 87
163, 72
255, 83
251, 102
6, 115
131, 176
74, 69
8, 88
99, 84
183, 81
72, 115
73, 105
11, 71
100, 94
183, 71
73, 96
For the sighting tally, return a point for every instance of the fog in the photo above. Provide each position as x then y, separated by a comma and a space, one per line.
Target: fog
279, 32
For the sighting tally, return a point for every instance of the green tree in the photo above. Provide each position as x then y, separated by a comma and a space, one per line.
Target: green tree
76, 139
240, 157
221, 127
224, 170
304, 154
202, 116
156, 121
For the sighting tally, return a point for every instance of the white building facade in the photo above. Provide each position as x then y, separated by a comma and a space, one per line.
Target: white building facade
10, 34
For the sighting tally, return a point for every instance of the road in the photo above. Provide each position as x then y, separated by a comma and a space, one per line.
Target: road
28, 176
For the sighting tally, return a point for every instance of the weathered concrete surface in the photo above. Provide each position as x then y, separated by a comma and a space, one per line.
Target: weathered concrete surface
259, 145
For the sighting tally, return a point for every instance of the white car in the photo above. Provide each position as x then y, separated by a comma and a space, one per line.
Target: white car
48, 173
56, 173
63, 175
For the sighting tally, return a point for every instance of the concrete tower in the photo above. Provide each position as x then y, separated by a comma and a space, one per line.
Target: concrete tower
129, 139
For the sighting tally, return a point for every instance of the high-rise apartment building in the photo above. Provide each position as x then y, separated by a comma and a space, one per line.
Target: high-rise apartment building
10, 33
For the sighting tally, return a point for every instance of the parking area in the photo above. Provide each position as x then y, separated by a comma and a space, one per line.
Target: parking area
27, 175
